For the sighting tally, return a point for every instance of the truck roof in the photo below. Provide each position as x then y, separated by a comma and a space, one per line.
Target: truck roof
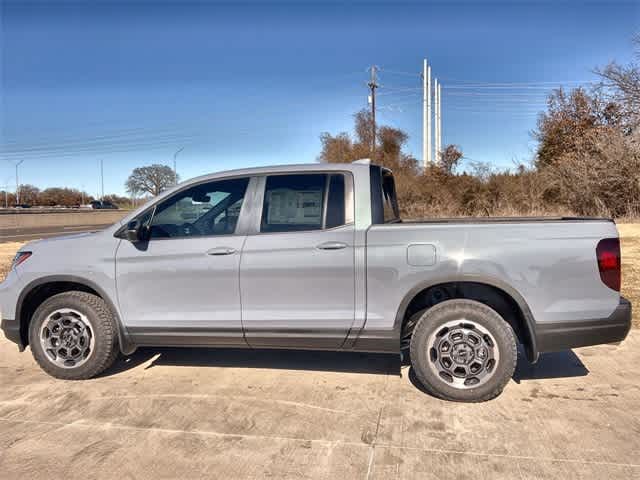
302, 167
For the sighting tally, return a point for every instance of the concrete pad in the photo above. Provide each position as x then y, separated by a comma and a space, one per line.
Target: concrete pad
78, 451
196, 413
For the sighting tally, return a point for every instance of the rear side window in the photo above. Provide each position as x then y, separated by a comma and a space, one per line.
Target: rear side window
390, 209
303, 202
335, 202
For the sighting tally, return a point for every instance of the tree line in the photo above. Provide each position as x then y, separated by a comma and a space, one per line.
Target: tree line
55, 196
143, 181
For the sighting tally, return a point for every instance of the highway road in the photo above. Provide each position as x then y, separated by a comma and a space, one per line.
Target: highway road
26, 234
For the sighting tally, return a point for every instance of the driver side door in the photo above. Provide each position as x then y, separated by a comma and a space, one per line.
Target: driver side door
180, 285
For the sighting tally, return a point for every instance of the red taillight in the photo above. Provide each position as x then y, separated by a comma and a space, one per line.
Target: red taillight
608, 254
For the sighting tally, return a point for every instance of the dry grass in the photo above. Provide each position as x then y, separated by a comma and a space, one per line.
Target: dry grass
629, 232
7, 252
630, 236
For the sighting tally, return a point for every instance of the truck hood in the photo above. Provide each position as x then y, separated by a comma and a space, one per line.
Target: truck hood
63, 240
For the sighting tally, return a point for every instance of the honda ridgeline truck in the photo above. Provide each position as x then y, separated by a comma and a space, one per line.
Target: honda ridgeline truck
316, 257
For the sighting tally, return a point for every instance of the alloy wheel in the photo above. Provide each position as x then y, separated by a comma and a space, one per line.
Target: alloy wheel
463, 354
67, 338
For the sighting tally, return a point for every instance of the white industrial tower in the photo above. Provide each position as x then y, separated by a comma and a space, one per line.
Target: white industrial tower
426, 114
437, 93
428, 147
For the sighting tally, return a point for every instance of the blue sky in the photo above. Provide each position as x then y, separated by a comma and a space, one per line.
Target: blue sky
255, 84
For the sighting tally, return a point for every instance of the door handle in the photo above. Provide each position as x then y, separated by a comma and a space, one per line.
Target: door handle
332, 246
221, 251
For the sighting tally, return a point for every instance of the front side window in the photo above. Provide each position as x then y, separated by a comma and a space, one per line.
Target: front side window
207, 209
303, 202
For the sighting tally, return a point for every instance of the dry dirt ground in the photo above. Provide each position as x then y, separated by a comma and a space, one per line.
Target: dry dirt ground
204, 413
630, 235
7, 251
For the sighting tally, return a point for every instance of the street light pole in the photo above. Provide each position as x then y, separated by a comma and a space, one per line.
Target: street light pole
175, 170
18, 182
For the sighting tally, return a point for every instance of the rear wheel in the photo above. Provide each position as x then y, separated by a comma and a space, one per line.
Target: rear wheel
73, 336
463, 350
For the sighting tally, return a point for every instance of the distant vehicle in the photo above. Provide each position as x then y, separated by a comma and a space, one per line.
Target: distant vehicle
105, 205
23, 205
317, 257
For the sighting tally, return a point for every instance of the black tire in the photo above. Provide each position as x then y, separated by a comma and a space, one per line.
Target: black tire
103, 329
424, 357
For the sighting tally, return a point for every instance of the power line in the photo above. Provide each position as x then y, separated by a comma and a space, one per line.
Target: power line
402, 97
394, 91
143, 132
103, 150
97, 143
506, 84
399, 72
506, 87
497, 93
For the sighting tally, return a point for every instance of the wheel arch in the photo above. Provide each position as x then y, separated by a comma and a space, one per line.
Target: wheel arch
507, 301
43, 288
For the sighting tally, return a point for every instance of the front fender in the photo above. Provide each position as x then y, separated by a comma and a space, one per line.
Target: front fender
126, 345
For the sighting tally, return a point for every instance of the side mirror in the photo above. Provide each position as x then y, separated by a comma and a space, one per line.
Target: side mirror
134, 232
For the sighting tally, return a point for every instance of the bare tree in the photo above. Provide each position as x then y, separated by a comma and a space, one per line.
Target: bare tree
569, 116
450, 157
29, 194
620, 86
391, 141
364, 129
600, 177
152, 179
338, 149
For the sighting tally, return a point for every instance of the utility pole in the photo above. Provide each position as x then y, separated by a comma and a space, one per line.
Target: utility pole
426, 114
175, 170
101, 180
373, 85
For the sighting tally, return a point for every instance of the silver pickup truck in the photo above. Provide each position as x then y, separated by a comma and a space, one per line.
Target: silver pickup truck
316, 257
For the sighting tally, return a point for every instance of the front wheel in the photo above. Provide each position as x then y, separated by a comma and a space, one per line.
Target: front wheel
463, 350
73, 336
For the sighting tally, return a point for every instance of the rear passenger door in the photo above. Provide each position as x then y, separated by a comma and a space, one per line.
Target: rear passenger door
297, 272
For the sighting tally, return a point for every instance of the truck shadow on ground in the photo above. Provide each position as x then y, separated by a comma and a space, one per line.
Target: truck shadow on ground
348, 362
550, 365
564, 364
